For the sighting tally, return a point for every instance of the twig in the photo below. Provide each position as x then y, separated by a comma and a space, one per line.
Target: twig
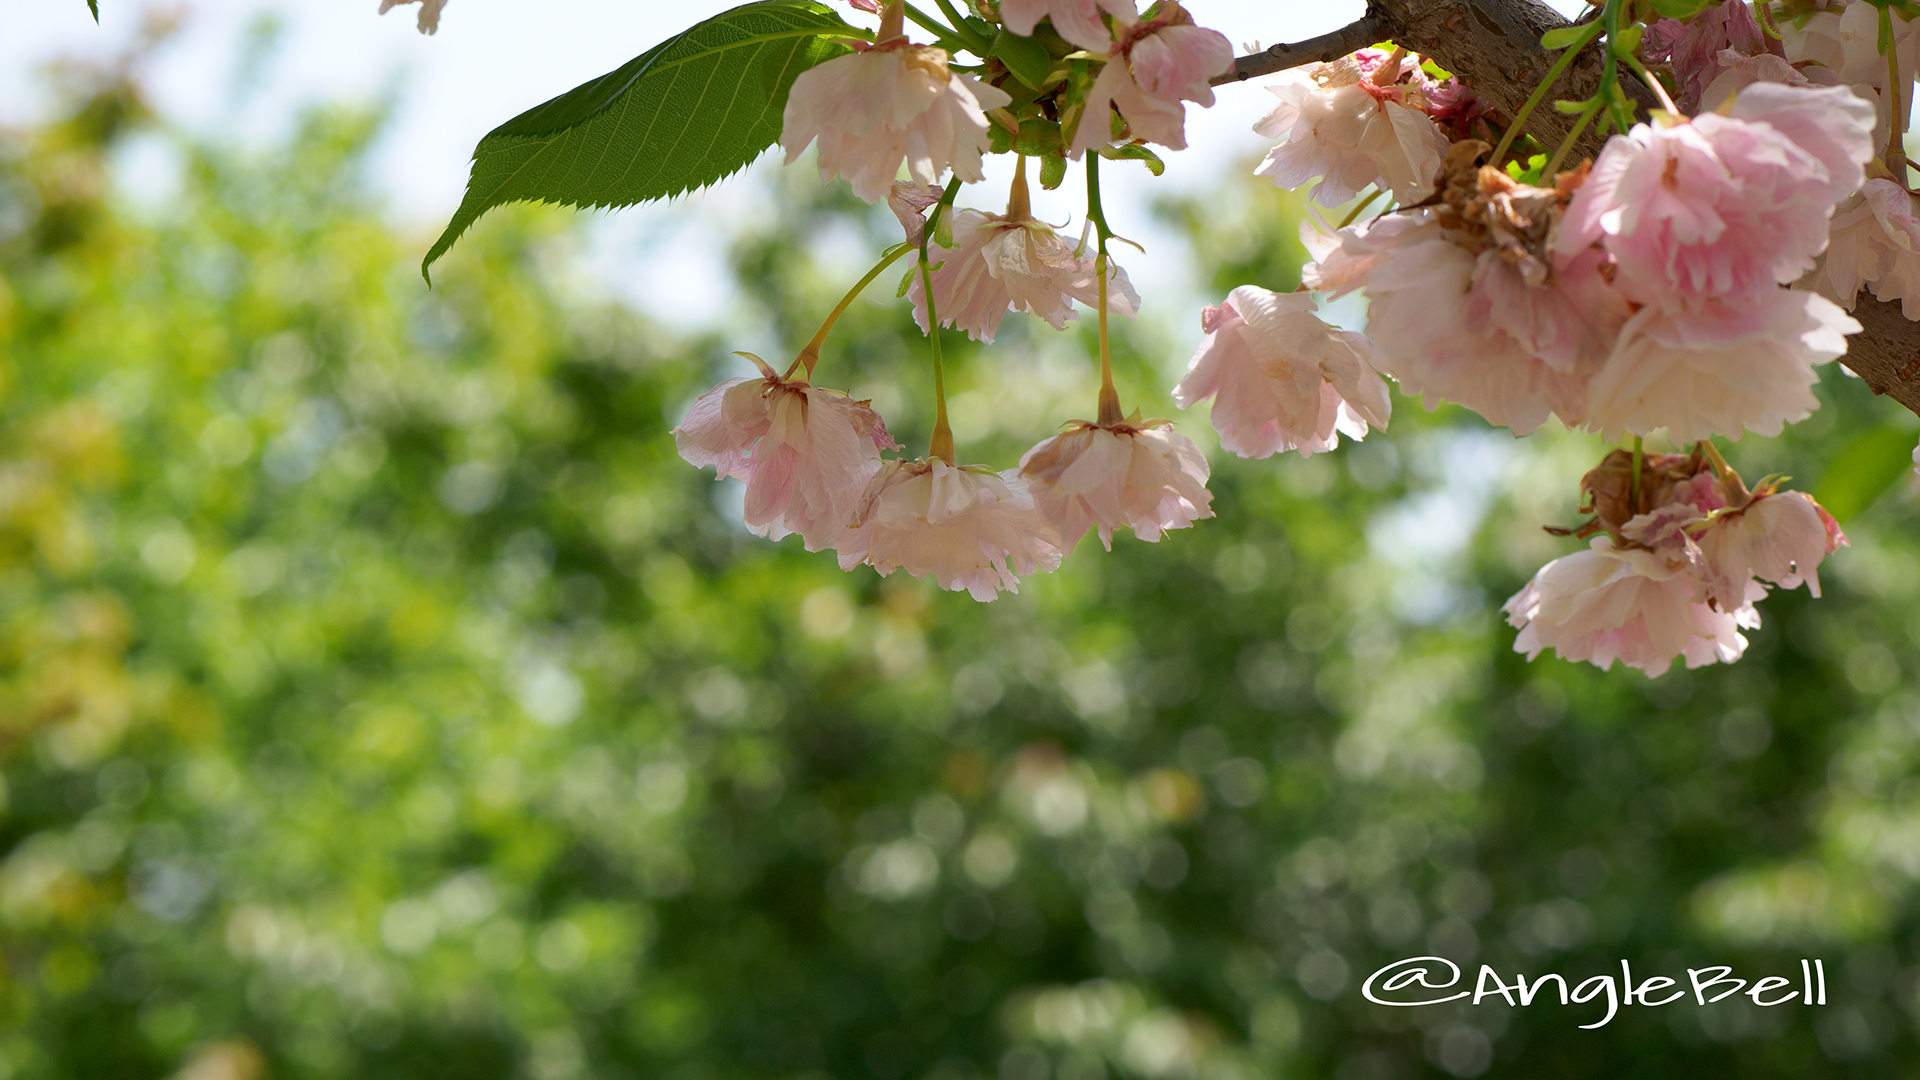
1352, 37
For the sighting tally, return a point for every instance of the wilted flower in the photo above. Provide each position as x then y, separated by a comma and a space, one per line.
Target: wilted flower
886, 103
805, 453
1145, 477
1351, 123
429, 20
970, 528
1152, 67
1695, 47
1281, 379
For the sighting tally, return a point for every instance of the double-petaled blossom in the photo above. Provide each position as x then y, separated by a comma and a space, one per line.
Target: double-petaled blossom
1001, 263
888, 103
429, 18
1468, 302
1353, 122
970, 528
1874, 242
1145, 477
1153, 66
1076, 20
1630, 605
805, 453
1717, 369
1723, 208
1281, 379
1686, 553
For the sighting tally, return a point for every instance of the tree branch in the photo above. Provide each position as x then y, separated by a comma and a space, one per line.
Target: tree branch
1352, 37
1494, 47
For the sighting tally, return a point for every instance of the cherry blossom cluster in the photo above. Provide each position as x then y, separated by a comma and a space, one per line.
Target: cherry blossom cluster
1686, 551
1689, 279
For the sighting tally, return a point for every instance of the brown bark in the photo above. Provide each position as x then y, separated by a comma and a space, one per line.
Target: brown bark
1494, 47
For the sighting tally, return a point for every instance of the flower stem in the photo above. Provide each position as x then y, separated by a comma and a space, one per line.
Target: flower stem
811, 354
1653, 84
941, 445
1633, 483
1552, 169
1355, 212
1609, 77
1110, 413
1540, 92
1018, 207
974, 42
1896, 144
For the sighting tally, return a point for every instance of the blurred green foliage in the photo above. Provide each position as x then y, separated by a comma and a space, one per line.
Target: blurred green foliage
381, 696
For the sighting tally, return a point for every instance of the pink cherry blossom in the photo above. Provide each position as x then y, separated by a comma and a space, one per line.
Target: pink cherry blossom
970, 528
884, 104
1847, 40
1147, 478
1281, 379
1000, 264
909, 202
1695, 47
1076, 20
429, 20
1152, 67
805, 453
1451, 325
1337, 123
1637, 607
1718, 369
1780, 537
1875, 241
1723, 207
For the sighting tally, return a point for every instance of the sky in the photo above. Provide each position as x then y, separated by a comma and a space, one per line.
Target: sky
493, 59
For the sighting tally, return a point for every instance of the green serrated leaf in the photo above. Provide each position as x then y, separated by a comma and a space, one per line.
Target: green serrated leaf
1863, 469
694, 109
94, 6
1026, 59
1134, 152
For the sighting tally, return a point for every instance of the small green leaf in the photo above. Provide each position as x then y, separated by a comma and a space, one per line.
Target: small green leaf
1628, 41
1863, 469
1562, 36
1053, 170
1025, 58
684, 114
1134, 152
94, 6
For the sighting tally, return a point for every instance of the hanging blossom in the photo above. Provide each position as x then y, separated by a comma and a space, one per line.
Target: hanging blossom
968, 527
1005, 262
429, 20
1143, 476
1679, 568
804, 453
1152, 67
1359, 120
1281, 379
1076, 20
885, 103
